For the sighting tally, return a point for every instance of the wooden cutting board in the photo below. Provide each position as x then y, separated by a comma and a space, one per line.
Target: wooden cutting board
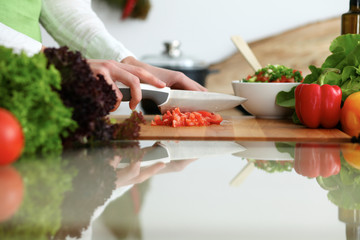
244, 128
297, 48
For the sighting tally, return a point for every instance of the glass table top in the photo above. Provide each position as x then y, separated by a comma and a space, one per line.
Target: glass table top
185, 190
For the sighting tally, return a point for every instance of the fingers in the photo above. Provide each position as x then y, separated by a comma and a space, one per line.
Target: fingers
118, 94
131, 72
173, 79
180, 81
112, 73
134, 173
176, 166
144, 75
188, 84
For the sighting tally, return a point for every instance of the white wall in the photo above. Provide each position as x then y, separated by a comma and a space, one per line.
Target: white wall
204, 26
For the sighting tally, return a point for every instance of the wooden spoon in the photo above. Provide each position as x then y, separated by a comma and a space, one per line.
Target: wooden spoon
250, 57
245, 50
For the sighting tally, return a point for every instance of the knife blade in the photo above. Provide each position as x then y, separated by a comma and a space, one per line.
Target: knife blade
152, 154
187, 101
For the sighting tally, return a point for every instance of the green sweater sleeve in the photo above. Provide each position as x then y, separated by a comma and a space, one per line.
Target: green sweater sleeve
23, 16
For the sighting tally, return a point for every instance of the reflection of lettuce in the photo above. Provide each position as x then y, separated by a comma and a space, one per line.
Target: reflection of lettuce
92, 186
272, 166
344, 188
45, 182
286, 147
61, 193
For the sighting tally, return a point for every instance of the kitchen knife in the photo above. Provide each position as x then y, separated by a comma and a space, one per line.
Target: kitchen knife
186, 101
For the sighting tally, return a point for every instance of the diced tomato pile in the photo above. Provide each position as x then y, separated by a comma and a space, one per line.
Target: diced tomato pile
175, 118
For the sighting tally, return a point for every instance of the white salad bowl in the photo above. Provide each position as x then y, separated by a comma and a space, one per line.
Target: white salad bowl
261, 98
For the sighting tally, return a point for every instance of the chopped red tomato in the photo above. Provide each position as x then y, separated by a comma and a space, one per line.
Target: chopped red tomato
175, 118
275, 74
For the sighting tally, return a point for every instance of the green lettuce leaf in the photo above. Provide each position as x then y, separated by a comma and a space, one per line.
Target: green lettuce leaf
28, 90
341, 68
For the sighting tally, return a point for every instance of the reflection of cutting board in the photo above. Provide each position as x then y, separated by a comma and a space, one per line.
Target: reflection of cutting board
244, 128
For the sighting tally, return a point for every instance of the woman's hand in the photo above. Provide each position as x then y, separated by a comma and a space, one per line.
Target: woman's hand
134, 173
131, 72
129, 75
173, 79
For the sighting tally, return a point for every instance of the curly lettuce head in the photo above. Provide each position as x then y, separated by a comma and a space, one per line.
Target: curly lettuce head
27, 90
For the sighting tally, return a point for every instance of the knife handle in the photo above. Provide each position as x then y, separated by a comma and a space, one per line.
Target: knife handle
158, 95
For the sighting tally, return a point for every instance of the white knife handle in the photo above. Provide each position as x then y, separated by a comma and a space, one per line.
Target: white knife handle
158, 95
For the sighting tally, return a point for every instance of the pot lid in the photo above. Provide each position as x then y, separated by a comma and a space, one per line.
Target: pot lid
172, 57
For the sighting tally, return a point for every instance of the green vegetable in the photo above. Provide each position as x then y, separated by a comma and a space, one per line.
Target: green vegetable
275, 73
341, 68
56, 109
129, 129
92, 98
26, 90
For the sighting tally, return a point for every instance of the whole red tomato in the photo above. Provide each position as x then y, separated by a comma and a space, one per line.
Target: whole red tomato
11, 137
11, 192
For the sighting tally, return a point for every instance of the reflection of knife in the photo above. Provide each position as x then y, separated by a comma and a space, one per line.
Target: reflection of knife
186, 101
166, 151
260, 150
179, 150
152, 155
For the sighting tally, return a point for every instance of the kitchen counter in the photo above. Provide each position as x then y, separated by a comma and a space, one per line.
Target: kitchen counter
187, 189
245, 179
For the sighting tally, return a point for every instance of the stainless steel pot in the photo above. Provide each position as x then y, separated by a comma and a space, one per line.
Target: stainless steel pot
172, 58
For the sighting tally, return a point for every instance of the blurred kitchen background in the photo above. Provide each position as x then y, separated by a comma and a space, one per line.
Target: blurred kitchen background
204, 27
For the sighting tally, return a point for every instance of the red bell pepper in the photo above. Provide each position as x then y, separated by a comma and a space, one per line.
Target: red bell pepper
318, 105
315, 159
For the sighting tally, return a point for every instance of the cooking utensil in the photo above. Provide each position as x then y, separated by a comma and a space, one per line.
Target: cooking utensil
242, 175
246, 51
186, 101
264, 104
173, 58
249, 56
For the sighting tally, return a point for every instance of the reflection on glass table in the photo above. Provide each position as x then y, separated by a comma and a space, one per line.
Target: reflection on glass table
336, 168
99, 192
61, 196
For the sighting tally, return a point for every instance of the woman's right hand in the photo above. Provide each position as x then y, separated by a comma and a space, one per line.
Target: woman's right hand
129, 75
